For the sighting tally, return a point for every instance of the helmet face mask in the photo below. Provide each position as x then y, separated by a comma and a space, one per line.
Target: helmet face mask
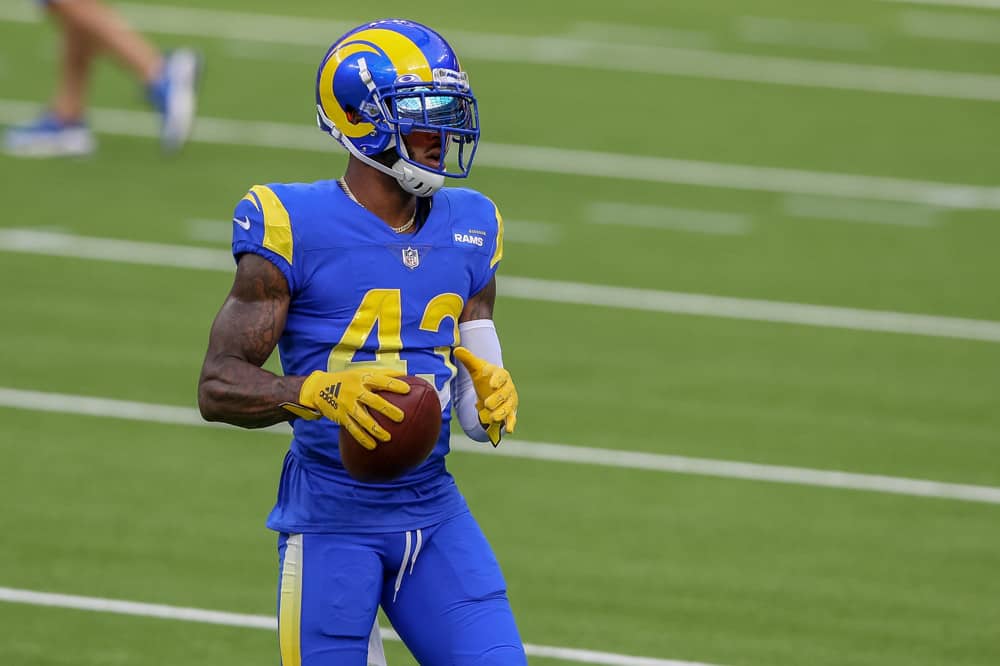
386, 80
445, 110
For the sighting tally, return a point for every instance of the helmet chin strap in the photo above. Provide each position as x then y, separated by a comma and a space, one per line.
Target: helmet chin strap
412, 179
416, 180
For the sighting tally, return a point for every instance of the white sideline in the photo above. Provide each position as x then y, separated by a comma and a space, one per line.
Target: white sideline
532, 289
137, 609
655, 462
568, 51
564, 161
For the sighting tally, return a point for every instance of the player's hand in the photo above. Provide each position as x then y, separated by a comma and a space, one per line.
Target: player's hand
497, 396
344, 397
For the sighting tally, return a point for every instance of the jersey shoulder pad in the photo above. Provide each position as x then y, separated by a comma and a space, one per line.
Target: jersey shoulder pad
476, 220
262, 219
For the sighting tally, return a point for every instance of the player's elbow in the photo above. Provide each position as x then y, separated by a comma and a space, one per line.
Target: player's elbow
210, 400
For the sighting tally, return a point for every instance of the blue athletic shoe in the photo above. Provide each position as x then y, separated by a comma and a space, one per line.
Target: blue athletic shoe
49, 136
175, 96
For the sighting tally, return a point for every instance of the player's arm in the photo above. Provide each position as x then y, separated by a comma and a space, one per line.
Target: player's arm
486, 397
480, 306
233, 387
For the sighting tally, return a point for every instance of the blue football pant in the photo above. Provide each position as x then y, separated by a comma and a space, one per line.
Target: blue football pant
440, 586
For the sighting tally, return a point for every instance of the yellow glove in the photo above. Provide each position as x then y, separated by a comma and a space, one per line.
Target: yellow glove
342, 397
497, 396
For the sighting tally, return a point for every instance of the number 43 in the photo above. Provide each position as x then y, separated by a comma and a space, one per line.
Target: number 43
383, 308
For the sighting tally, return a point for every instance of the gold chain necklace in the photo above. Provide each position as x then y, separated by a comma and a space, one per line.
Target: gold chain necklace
350, 195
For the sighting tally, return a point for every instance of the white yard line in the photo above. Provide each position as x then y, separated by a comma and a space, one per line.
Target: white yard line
205, 230
161, 611
738, 176
807, 34
56, 244
977, 4
668, 218
529, 232
955, 27
655, 462
624, 33
567, 162
570, 52
532, 289
822, 316
870, 212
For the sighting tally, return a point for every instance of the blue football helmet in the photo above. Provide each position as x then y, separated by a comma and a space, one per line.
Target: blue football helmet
386, 79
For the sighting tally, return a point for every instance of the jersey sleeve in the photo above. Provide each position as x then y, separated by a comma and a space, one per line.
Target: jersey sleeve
492, 223
262, 226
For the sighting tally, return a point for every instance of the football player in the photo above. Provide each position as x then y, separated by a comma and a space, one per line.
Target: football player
87, 27
359, 280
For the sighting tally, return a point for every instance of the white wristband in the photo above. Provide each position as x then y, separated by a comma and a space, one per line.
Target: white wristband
480, 338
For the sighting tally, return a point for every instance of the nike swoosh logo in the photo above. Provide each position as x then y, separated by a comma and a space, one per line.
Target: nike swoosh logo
245, 222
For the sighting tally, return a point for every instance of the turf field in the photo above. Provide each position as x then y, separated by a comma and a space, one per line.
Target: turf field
734, 265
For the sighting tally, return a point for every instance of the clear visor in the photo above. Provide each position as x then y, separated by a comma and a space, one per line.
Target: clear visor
449, 112
424, 109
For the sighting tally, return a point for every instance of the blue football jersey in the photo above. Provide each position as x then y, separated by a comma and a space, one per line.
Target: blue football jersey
362, 294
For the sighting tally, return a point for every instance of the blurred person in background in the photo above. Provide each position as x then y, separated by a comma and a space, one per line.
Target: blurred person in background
88, 27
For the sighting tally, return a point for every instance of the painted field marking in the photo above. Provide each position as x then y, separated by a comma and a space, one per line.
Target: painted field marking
978, 4
637, 168
545, 451
956, 27
810, 34
530, 232
224, 618
853, 210
567, 162
245, 49
206, 230
668, 218
533, 289
571, 52
823, 316
624, 33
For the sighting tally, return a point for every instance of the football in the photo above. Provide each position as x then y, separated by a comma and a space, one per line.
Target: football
412, 441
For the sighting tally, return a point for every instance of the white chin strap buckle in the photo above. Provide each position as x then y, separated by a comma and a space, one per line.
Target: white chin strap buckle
415, 180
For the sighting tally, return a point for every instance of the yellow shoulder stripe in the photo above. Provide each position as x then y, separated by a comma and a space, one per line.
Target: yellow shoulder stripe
277, 225
252, 199
498, 253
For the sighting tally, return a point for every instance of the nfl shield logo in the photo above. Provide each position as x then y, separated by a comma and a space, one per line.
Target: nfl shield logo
411, 258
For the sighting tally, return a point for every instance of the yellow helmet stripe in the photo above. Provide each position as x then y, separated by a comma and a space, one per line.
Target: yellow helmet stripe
405, 56
402, 52
331, 107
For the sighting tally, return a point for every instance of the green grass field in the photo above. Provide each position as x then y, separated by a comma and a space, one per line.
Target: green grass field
630, 562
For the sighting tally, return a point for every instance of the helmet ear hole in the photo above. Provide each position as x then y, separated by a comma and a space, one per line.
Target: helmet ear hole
353, 115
